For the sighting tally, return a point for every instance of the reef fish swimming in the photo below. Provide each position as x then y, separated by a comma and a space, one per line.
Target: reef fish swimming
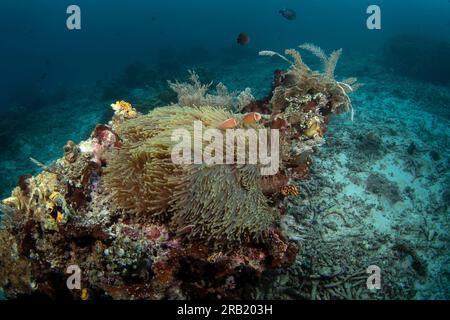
243, 39
288, 14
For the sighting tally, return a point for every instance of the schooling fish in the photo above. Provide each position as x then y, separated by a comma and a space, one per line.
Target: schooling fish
243, 39
288, 14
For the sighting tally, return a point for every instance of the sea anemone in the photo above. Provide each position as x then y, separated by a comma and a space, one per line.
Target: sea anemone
222, 203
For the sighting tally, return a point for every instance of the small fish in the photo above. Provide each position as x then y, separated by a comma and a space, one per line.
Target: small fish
44, 75
288, 14
243, 39
84, 294
251, 118
229, 124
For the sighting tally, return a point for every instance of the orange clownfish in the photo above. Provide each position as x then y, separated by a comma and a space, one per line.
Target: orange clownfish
251, 118
229, 124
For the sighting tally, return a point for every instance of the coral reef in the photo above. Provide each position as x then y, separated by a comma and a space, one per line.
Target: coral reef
140, 226
196, 93
342, 228
311, 91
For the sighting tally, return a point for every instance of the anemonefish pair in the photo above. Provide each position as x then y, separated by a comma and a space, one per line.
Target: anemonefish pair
247, 119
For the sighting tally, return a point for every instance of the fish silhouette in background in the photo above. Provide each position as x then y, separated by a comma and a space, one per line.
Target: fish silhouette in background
289, 14
243, 39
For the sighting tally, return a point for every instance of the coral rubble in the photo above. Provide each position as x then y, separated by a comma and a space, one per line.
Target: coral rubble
140, 226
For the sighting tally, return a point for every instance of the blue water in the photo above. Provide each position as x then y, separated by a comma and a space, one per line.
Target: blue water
57, 83
114, 33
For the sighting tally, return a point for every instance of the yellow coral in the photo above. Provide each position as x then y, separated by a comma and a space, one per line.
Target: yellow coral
60, 217
132, 113
314, 128
35, 200
124, 109
121, 105
289, 191
84, 294
55, 196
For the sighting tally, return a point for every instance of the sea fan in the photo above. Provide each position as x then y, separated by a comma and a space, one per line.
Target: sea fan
332, 61
298, 62
329, 62
316, 50
196, 94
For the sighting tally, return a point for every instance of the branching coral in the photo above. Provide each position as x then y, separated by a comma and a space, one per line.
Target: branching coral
300, 80
190, 94
329, 62
244, 99
196, 94
32, 198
